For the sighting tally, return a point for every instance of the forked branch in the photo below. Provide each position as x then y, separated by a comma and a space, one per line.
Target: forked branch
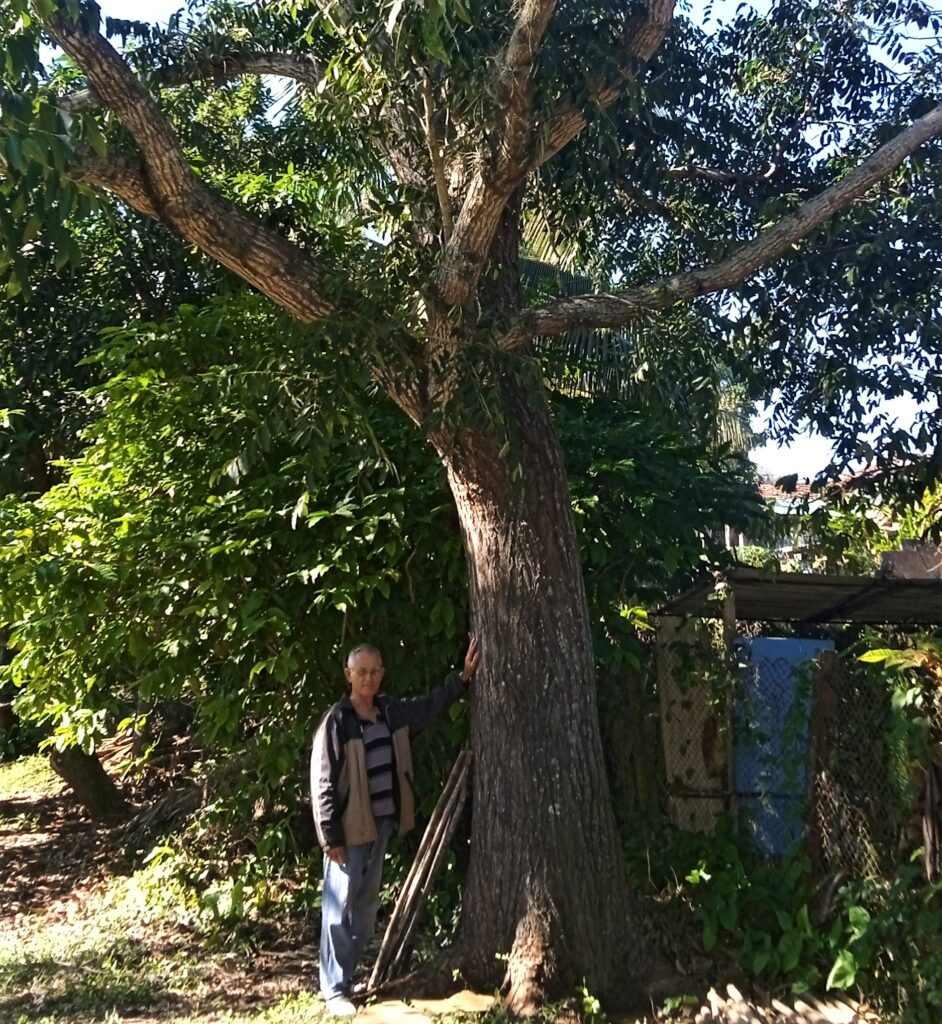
643, 39
523, 147
498, 176
122, 176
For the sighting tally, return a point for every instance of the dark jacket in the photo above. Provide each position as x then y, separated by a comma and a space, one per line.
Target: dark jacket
340, 795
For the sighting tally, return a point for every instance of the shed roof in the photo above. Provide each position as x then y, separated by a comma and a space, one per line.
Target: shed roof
809, 597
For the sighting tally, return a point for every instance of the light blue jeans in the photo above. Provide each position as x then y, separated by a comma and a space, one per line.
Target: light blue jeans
348, 910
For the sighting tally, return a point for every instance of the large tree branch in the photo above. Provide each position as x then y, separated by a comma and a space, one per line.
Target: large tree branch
617, 310
123, 176
643, 39
520, 150
497, 178
241, 242
224, 67
219, 68
516, 77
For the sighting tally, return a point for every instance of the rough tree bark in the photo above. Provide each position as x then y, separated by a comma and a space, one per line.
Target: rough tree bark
547, 884
93, 788
547, 880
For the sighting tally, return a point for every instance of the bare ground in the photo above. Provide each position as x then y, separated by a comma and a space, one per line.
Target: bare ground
80, 941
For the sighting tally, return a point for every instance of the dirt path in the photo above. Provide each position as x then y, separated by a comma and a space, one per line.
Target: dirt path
72, 948
46, 850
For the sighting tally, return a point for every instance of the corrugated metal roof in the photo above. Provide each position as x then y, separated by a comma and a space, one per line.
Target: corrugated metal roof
808, 597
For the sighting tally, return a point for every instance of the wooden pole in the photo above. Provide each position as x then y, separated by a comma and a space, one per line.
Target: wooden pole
732, 659
436, 856
418, 880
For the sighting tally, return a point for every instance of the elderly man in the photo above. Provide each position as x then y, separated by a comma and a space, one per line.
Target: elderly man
361, 784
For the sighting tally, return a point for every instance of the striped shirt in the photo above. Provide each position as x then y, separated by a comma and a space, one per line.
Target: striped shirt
377, 742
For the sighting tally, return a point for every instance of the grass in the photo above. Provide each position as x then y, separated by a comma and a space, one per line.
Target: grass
123, 947
28, 776
301, 1009
140, 947
97, 962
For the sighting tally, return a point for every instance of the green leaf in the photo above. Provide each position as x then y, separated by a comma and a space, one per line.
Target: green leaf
461, 11
32, 150
844, 971
94, 136
859, 918
789, 948
14, 152
430, 33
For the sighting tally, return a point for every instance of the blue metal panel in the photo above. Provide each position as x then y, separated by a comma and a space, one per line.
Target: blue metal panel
770, 717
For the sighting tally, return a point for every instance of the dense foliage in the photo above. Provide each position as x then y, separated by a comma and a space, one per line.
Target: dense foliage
786, 98
240, 516
846, 527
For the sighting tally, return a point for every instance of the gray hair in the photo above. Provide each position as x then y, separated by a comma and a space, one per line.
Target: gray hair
363, 649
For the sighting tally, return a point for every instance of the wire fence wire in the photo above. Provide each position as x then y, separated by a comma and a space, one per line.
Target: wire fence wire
805, 760
861, 799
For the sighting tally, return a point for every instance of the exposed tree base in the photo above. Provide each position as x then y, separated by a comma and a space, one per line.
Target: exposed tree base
528, 979
7, 717
533, 974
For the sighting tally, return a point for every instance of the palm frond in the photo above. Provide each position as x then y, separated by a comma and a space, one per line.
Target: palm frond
666, 367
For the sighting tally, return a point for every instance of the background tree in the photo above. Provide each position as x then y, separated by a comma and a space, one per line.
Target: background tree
434, 127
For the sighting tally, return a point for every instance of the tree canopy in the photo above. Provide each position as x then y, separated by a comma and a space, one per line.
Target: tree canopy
764, 128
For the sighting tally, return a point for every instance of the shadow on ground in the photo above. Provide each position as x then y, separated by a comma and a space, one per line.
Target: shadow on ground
46, 849
120, 978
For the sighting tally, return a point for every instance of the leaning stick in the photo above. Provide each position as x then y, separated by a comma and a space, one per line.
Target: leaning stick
417, 871
411, 898
416, 876
447, 830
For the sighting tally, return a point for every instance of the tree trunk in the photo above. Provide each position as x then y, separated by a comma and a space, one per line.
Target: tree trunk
91, 784
547, 883
7, 716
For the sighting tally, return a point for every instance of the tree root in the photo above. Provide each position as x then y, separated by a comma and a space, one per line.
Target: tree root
532, 977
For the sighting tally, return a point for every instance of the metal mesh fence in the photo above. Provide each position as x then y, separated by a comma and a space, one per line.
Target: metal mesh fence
771, 704
861, 797
797, 749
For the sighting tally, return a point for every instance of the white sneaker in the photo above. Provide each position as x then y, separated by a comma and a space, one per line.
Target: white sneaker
340, 1006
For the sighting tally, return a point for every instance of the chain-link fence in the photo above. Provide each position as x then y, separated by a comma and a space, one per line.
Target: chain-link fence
861, 801
771, 716
779, 736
